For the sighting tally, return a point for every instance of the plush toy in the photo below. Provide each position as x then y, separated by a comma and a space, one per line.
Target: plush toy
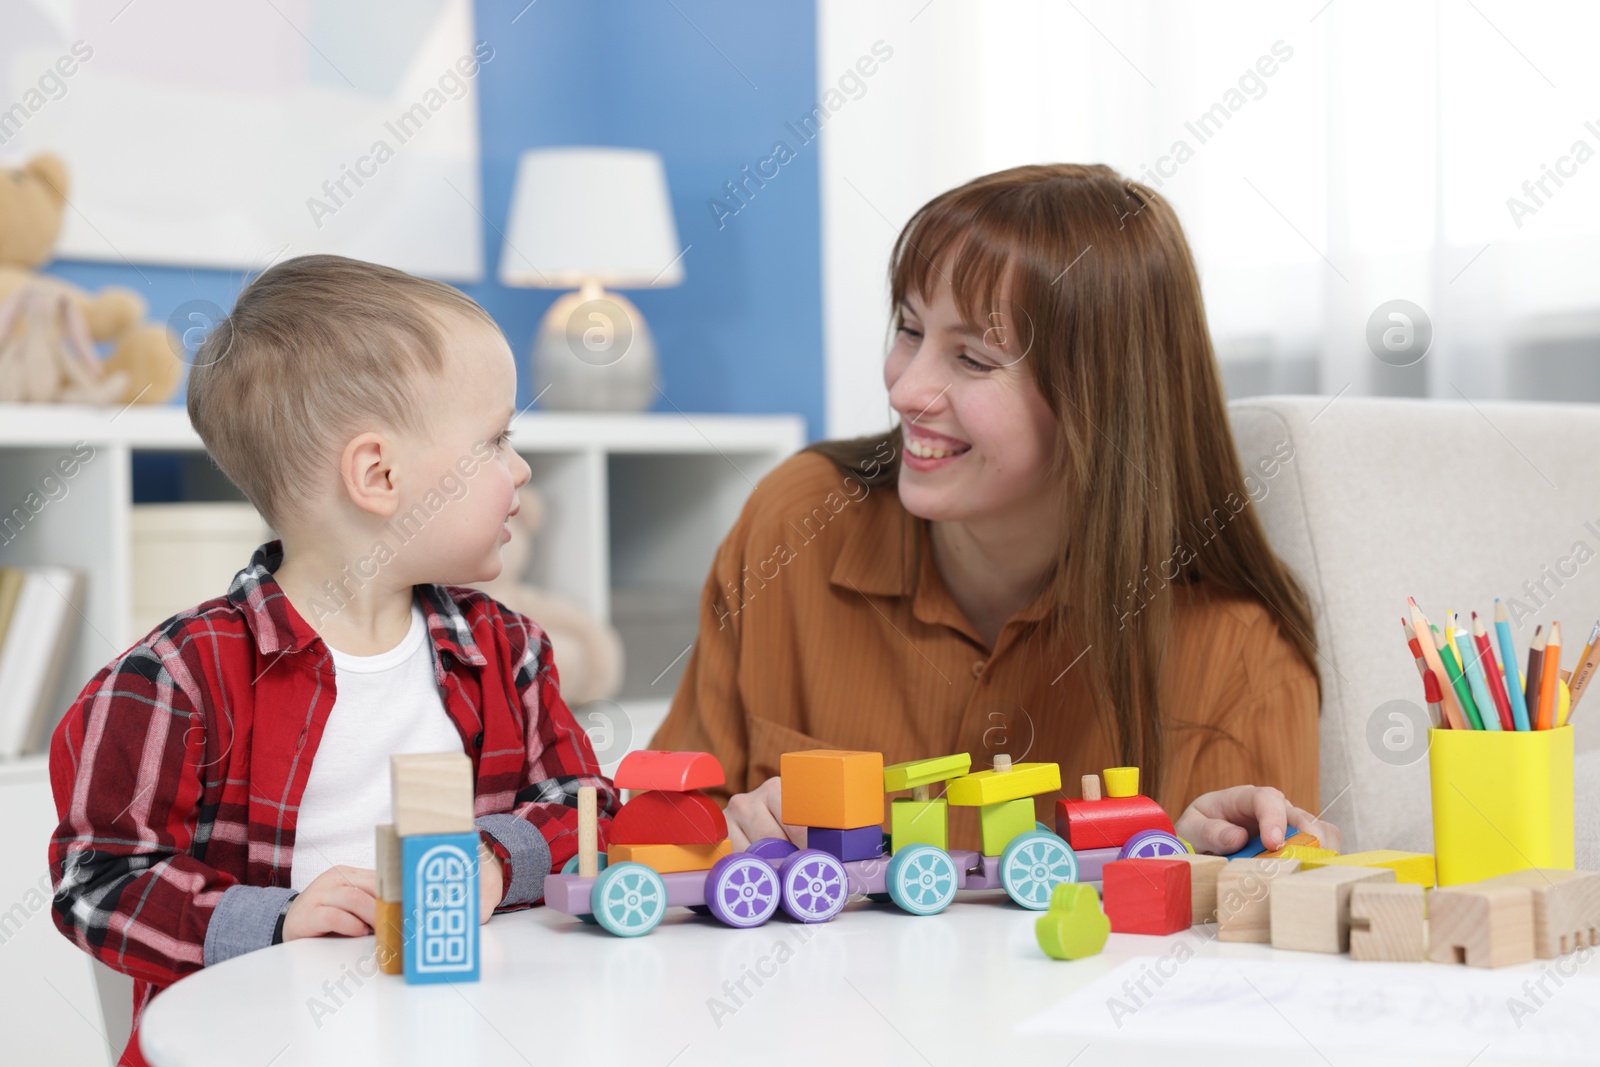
588, 653
49, 329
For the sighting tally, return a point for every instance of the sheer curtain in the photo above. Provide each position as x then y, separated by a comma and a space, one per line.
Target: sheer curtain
1326, 159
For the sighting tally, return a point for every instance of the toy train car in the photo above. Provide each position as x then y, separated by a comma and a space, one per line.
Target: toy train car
1121, 825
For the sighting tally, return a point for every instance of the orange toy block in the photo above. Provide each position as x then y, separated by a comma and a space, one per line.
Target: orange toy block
391, 937
667, 859
675, 771
657, 817
834, 789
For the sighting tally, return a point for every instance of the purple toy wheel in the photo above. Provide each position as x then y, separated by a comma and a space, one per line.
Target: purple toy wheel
772, 849
742, 890
815, 886
1151, 844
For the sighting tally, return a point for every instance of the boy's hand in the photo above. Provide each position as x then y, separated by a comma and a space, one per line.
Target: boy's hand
491, 882
1223, 821
340, 900
759, 813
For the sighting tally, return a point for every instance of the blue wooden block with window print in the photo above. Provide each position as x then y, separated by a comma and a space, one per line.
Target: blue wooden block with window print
441, 907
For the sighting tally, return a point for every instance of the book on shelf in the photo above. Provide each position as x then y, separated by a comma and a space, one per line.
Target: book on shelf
41, 608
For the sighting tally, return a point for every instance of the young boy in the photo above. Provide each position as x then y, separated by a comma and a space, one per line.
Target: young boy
218, 783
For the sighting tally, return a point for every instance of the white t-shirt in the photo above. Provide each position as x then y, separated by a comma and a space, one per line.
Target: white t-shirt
385, 704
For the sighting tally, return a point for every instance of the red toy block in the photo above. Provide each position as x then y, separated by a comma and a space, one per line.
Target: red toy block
1108, 823
678, 772
1147, 896
659, 817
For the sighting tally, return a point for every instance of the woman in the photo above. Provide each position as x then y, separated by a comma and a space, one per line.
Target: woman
1050, 557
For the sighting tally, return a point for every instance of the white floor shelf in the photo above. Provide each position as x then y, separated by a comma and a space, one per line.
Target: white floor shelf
635, 507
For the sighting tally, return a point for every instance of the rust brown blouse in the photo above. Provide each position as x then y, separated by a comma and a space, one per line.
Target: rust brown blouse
824, 624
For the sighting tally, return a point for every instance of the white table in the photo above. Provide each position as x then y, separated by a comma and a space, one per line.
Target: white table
874, 986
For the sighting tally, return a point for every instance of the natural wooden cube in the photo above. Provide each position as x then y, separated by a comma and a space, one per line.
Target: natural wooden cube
1311, 910
1203, 872
1481, 925
432, 793
1388, 922
1244, 893
391, 883
1566, 908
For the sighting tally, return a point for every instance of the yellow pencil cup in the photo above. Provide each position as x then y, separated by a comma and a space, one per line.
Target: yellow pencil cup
1502, 801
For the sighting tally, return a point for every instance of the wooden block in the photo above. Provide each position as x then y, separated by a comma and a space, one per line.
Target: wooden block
836, 789
389, 929
677, 772
999, 823
901, 776
1147, 896
667, 859
657, 817
1122, 782
1203, 871
1108, 823
386, 849
847, 846
440, 909
1244, 894
1480, 925
1387, 922
919, 822
993, 787
1413, 867
1075, 926
588, 832
1304, 853
1301, 840
1566, 908
1311, 909
431, 793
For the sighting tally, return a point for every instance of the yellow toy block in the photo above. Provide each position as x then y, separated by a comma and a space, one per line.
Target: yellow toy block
391, 938
919, 822
1003, 821
993, 787
1413, 867
1302, 852
1122, 781
902, 776
666, 859
830, 788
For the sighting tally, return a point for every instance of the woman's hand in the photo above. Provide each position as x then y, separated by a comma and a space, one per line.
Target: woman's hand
1223, 821
491, 882
759, 813
340, 900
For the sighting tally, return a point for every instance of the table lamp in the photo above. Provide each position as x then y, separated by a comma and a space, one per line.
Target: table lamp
584, 218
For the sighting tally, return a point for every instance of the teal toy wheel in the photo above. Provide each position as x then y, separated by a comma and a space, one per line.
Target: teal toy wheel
629, 899
922, 879
571, 867
1033, 865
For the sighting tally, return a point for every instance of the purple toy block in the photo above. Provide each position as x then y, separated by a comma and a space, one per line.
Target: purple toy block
1092, 860
846, 846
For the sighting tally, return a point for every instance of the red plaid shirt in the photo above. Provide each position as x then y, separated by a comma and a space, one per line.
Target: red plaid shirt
178, 771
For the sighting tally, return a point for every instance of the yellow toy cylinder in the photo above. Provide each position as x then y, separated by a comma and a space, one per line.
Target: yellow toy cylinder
1502, 801
1122, 781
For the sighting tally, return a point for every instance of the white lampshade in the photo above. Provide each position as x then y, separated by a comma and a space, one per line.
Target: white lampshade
591, 215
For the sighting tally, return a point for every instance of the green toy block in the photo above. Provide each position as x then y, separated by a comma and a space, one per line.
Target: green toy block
1003, 821
902, 776
1075, 926
919, 822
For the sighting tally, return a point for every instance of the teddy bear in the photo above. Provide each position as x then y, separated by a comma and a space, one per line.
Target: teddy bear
588, 653
49, 328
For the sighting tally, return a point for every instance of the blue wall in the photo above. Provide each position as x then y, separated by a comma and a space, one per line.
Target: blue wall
744, 331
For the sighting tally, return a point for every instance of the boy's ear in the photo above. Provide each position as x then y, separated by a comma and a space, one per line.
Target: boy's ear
366, 469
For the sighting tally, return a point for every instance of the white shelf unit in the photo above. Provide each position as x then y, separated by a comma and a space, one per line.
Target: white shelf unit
635, 507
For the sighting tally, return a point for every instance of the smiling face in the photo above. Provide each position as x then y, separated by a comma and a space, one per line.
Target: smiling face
467, 458
978, 436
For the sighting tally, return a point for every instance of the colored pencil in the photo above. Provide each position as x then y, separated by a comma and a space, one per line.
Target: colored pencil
1583, 672
1508, 658
1458, 681
1531, 682
1550, 678
1430, 692
1415, 646
1473, 670
1452, 708
1491, 672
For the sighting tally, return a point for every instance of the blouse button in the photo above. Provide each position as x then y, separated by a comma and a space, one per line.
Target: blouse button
977, 668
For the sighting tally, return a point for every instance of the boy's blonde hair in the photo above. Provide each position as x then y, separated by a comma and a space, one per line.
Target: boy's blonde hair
316, 350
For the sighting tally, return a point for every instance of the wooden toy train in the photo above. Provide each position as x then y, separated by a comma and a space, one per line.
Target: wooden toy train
669, 843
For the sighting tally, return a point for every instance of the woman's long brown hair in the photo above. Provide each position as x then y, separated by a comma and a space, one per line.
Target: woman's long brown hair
1092, 276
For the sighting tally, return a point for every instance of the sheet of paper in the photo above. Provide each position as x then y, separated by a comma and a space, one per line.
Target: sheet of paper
1546, 1013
